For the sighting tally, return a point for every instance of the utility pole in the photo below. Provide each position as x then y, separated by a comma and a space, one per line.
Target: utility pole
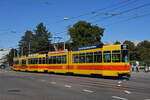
18, 54
14, 53
29, 48
65, 34
64, 40
21, 51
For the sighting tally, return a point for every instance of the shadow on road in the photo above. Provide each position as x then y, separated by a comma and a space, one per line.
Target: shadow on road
89, 76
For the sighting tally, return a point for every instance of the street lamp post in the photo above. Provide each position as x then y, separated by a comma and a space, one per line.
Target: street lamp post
65, 18
64, 41
29, 49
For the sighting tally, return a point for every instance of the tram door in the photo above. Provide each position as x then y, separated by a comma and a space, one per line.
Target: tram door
69, 67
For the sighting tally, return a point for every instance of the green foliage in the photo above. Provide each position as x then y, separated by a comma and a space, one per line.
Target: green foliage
11, 55
117, 42
143, 52
83, 34
132, 51
25, 42
40, 42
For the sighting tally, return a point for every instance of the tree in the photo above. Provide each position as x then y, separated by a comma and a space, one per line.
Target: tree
132, 51
25, 42
143, 52
83, 34
117, 42
40, 42
11, 55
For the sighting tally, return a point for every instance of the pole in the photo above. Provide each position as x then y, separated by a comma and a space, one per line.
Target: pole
14, 53
17, 54
29, 48
65, 18
22, 52
64, 40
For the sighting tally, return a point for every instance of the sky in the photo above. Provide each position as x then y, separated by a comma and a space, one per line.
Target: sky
121, 19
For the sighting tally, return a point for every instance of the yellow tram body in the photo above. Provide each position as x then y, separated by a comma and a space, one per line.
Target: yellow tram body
111, 60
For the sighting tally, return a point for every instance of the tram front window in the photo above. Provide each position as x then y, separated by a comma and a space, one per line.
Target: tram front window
125, 56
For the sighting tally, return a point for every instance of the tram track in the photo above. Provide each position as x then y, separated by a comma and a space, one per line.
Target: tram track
114, 85
94, 82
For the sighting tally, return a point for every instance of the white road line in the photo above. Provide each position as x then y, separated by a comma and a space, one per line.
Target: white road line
32, 78
147, 99
116, 97
118, 85
68, 86
53, 82
128, 92
43, 80
88, 91
120, 82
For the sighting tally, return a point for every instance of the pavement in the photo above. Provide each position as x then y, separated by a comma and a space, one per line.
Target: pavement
45, 86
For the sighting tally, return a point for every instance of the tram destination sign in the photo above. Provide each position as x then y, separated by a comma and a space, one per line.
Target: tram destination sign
88, 47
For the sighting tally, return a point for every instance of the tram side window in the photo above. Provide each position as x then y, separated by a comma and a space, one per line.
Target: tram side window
43, 60
36, 60
107, 56
40, 61
116, 56
82, 58
46, 60
54, 59
17, 62
23, 62
75, 58
97, 57
63, 59
58, 59
29, 61
50, 60
89, 57
33, 60
125, 56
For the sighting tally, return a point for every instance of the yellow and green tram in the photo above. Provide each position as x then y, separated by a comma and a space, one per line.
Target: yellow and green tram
111, 60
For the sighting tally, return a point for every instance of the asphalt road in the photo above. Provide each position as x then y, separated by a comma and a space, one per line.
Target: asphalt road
45, 86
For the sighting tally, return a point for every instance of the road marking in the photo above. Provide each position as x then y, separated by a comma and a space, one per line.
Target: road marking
53, 82
128, 92
147, 99
43, 80
68, 86
87, 91
118, 85
32, 78
120, 82
116, 97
